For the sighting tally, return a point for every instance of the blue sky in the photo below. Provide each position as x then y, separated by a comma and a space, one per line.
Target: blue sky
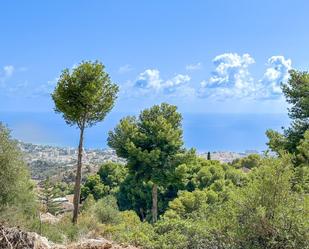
204, 56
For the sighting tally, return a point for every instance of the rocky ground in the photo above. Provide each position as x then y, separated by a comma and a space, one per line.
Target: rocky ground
14, 238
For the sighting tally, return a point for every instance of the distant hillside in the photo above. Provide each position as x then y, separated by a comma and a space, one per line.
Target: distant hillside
59, 162
45, 160
227, 156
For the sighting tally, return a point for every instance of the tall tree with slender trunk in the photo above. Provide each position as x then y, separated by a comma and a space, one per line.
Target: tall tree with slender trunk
83, 96
149, 143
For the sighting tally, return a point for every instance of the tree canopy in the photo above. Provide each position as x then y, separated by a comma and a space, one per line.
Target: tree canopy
85, 94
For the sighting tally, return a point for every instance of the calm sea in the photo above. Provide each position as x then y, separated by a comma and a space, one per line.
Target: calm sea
205, 132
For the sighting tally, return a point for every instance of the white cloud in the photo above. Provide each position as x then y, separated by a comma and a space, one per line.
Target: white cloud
193, 67
231, 77
276, 73
8, 70
178, 80
151, 80
5, 74
125, 69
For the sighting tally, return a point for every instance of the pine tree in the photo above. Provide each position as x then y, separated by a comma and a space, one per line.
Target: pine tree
48, 198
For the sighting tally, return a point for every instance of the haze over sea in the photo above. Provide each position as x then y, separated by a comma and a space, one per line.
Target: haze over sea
203, 131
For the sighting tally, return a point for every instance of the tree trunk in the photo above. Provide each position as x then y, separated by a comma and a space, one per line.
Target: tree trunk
76, 199
154, 203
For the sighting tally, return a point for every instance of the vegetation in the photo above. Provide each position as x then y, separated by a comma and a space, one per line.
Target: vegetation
84, 97
249, 162
256, 202
149, 143
47, 197
15, 185
296, 91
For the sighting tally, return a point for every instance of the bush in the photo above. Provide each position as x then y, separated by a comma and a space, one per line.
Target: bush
106, 210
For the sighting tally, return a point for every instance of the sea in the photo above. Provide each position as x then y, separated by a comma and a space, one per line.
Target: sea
203, 131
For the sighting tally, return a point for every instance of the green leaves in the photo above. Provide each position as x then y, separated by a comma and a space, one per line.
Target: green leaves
94, 186
85, 95
147, 142
15, 185
296, 91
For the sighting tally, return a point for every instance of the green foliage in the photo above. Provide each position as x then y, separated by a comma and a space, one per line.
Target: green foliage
47, 197
301, 176
249, 162
187, 204
63, 188
132, 231
95, 187
16, 187
135, 194
106, 210
112, 174
191, 173
85, 95
276, 141
105, 182
270, 215
303, 150
89, 203
149, 143
296, 91
265, 213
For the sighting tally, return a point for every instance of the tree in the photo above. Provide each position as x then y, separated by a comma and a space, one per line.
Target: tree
112, 174
249, 162
301, 177
48, 195
15, 186
149, 144
296, 91
208, 156
107, 181
84, 96
95, 187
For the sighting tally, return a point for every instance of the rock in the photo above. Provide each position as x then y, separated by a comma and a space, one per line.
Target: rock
14, 238
49, 218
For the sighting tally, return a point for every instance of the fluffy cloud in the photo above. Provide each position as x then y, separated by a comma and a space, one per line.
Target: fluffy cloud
8, 70
193, 67
5, 74
151, 80
231, 78
276, 73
